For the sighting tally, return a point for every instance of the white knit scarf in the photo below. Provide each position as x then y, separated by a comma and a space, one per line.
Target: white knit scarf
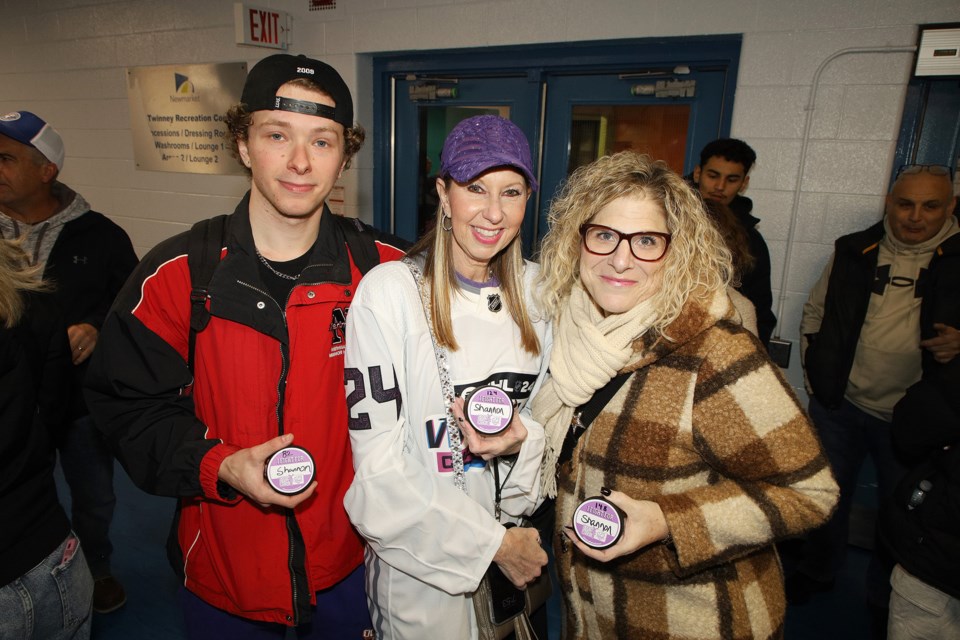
589, 349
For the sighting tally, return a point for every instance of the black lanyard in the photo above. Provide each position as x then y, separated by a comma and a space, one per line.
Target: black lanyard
497, 487
587, 413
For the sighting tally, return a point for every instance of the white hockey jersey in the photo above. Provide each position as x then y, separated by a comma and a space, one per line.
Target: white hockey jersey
429, 543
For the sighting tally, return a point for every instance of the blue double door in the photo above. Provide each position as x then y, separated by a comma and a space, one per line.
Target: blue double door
570, 119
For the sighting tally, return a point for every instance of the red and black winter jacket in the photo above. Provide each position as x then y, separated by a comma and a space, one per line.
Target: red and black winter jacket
262, 369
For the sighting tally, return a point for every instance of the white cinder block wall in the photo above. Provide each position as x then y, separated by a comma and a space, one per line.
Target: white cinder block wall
65, 59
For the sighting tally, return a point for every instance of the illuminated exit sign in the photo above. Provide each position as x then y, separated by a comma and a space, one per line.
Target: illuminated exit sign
261, 26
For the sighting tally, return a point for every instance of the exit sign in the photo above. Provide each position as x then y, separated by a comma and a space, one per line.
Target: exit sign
261, 26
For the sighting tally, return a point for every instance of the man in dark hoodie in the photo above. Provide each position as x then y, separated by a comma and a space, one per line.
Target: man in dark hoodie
723, 176
87, 258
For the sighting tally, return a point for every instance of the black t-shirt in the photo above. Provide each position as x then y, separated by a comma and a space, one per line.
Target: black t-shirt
278, 286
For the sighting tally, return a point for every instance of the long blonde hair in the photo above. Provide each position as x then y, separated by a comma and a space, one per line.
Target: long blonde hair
436, 245
697, 260
16, 276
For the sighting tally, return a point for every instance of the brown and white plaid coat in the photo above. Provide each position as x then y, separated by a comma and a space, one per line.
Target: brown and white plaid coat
708, 428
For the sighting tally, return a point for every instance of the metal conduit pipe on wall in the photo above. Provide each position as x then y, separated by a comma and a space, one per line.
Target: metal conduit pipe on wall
811, 104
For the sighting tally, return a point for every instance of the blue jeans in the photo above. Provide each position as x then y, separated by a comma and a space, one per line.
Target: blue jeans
341, 612
848, 436
88, 468
52, 601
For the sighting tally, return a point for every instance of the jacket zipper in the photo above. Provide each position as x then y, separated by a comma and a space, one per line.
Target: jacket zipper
281, 384
283, 360
290, 518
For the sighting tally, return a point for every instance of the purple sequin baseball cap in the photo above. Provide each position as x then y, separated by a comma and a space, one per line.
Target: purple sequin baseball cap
481, 143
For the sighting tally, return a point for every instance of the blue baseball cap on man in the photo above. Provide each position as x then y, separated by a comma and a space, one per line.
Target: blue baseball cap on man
32, 130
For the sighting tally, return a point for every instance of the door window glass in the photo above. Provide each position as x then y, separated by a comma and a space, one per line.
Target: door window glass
658, 130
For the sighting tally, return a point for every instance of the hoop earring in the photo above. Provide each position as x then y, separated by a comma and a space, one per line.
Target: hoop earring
445, 218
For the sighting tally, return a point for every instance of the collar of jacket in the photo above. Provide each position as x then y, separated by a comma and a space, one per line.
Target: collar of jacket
236, 286
866, 241
329, 259
861, 242
742, 206
699, 313
949, 247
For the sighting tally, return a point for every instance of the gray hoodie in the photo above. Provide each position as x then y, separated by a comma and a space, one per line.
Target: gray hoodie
41, 236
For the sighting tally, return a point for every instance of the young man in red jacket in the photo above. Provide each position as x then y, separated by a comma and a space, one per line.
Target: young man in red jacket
267, 374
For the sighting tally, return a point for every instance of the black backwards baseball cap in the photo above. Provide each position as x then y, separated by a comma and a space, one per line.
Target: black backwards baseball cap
268, 75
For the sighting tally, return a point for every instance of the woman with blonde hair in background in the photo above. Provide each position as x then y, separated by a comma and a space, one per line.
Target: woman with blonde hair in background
46, 590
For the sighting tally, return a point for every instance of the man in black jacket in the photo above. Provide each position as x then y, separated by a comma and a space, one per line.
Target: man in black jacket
920, 525
87, 258
723, 175
882, 309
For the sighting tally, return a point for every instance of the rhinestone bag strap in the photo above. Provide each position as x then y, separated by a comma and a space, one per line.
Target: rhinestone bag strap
446, 386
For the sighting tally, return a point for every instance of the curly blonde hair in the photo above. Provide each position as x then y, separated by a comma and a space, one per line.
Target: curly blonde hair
696, 263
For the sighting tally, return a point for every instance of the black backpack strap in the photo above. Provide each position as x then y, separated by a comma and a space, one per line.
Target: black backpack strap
360, 241
204, 245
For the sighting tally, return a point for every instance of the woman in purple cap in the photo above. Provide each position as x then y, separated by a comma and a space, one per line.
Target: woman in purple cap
431, 499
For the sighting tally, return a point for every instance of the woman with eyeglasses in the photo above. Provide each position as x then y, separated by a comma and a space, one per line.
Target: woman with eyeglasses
660, 403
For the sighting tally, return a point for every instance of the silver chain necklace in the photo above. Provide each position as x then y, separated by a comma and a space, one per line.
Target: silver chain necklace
285, 276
